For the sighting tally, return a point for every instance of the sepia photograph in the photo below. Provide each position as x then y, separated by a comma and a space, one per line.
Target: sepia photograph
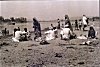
49, 33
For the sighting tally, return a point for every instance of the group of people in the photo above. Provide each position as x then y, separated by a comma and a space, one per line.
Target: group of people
20, 35
83, 23
66, 30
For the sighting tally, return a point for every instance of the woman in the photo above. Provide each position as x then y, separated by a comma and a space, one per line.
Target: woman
37, 28
91, 32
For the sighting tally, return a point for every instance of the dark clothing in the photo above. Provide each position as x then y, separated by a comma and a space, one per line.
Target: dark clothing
58, 26
70, 26
37, 28
91, 33
80, 26
76, 25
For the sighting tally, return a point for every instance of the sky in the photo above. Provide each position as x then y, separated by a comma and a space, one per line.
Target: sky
49, 9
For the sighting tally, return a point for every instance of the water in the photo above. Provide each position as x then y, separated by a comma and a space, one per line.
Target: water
28, 25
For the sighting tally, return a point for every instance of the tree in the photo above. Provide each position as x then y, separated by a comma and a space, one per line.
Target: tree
1, 18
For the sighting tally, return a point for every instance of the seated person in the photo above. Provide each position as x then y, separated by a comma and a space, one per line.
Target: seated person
17, 35
91, 32
51, 34
65, 32
27, 35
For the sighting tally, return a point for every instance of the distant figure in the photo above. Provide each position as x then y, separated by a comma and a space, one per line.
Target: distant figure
87, 21
51, 27
91, 32
67, 22
58, 27
62, 26
5, 31
18, 28
84, 22
37, 27
80, 24
15, 29
76, 25
65, 33
17, 35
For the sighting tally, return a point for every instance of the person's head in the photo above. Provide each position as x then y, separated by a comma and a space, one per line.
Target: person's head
34, 19
91, 28
66, 17
25, 29
75, 20
52, 25
83, 15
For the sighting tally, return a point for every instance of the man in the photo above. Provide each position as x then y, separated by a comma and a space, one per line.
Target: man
84, 22
66, 33
17, 35
58, 27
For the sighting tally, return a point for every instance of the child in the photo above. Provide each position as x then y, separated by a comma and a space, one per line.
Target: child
76, 25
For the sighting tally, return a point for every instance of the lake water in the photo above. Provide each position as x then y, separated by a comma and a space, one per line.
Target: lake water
28, 25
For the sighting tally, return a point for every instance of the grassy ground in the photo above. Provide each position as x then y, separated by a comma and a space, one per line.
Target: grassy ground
58, 53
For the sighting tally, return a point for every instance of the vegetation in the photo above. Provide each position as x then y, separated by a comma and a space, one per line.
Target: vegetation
12, 19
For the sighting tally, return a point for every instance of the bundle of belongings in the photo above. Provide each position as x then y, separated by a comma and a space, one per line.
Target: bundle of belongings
82, 37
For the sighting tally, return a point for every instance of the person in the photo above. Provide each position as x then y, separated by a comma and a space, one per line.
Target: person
51, 34
17, 35
76, 25
67, 22
5, 31
84, 22
37, 28
65, 33
91, 32
80, 24
87, 20
15, 29
58, 27
62, 26
18, 28
51, 27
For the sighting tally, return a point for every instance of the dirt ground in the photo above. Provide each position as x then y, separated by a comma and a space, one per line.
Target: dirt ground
58, 53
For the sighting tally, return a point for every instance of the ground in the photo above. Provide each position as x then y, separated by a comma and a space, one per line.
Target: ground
58, 53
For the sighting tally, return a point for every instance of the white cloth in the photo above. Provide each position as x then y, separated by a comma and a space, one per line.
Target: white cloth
65, 32
50, 34
84, 20
82, 37
17, 36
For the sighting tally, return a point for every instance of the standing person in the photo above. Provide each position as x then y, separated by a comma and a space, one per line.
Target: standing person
37, 27
58, 27
87, 21
84, 22
67, 22
80, 24
15, 29
76, 25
